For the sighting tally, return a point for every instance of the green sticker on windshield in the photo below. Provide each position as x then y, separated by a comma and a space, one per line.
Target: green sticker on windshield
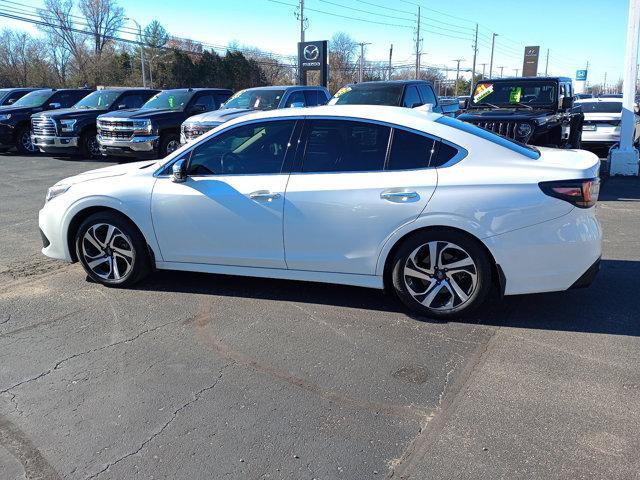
171, 102
100, 100
515, 95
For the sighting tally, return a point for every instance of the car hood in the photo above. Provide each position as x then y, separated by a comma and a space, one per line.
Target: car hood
112, 171
143, 113
504, 113
71, 113
220, 116
19, 110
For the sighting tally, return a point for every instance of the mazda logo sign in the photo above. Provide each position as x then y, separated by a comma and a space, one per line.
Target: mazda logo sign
311, 52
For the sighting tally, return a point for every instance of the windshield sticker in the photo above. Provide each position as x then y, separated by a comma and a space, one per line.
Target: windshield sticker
342, 91
171, 102
100, 100
482, 91
515, 95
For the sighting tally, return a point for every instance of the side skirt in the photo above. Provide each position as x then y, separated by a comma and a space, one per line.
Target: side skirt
367, 281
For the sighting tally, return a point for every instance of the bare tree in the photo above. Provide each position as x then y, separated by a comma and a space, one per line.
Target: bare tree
104, 18
342, 65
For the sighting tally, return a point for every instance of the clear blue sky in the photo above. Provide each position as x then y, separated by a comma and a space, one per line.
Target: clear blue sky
574, 30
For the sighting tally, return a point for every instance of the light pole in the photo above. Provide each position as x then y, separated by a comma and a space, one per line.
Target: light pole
517, 70
361, 70
144, 75
501, 67
484, 65
493, 44
455, 88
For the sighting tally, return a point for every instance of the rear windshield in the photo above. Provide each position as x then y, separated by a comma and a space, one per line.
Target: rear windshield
518, 147
34, 99
601, 107
169, 100
255, 99
389, 94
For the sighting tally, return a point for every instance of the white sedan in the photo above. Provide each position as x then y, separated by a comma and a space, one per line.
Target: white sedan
436, 209
602, 118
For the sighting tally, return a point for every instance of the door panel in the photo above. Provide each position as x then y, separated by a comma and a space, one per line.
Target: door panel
338, 222
215, 220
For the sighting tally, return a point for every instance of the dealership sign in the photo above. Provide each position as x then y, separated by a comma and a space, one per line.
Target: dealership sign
530, 64
313, 56
581, 75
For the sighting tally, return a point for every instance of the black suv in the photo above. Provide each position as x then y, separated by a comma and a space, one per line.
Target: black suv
15, 120
394, 93
534, 110
153, 131
73, 130
9, 96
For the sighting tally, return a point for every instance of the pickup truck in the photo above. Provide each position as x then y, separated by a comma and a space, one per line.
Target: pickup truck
73, 130
533, 110
395, 93
15, 119
9, 96
153, 131
251, 100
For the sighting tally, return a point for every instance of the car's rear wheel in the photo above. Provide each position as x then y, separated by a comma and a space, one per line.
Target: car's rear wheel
23, 142
89, 146
441, 273
112, 250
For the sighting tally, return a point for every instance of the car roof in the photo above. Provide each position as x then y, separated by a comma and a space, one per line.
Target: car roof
197, 89
390, 82
288, 87
562, 79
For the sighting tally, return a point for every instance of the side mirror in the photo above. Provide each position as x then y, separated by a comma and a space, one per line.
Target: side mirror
55, 105
297, 105
122, 107
179, 171
198, 109
567, 102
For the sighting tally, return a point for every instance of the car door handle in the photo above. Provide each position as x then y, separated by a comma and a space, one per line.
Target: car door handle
399, 197
264, 195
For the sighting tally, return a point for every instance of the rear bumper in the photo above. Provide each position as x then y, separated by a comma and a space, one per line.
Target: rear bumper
550, 256
588, 277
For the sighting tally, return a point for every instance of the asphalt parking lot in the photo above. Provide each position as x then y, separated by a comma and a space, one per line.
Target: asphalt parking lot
202, 376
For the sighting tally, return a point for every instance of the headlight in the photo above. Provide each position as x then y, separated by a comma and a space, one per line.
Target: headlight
5, 116
523, 130
67, 125
56, 190
142, 126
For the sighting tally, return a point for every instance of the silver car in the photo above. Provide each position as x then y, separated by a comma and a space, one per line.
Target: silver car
602, 118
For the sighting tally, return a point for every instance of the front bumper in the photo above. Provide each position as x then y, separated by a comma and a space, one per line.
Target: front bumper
6, 136
55, 144
134, 146
550, 256
54, 242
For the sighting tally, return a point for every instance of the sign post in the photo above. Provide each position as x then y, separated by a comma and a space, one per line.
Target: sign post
530, 64
313, 56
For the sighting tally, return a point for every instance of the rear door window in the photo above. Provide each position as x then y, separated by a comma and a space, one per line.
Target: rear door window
295, 97
311, 98
410, 151
345, 146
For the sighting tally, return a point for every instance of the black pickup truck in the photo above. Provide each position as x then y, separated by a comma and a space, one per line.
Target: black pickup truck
9, 96
15, 120
153, 131
534, 110
73, 130
394, 93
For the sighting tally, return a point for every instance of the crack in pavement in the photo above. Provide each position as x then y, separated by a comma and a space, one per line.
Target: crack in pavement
196, 396
76, 355
5, 320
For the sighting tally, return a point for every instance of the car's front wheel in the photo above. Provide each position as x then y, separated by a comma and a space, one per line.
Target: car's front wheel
112, 250
441, 273
23, 142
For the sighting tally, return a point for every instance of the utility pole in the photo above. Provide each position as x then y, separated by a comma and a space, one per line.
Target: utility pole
517, 70
493, 45
501, 71
302, 19
390, 55
361, 70
604, 86
483, 69
546, 65
455, 88
144, 74
473, 69
418, 47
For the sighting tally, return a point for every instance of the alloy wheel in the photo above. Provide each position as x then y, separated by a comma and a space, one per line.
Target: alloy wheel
26, 143
93, 147
440, 275
172, 146
108, 252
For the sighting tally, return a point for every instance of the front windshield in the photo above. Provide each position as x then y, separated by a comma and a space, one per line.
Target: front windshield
34, 99
266, 99
386, 94
601, 107
99, 100
515, 93
169, 99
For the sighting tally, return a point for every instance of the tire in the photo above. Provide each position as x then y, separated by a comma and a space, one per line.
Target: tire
108, 235
89, 147
169, 143
436, 291
23, 142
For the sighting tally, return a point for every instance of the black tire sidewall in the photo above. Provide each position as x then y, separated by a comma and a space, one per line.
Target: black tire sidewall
473, 248
141, 263
164, 143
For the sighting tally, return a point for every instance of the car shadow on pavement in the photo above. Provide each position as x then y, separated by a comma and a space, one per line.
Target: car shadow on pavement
609, 306
620, 188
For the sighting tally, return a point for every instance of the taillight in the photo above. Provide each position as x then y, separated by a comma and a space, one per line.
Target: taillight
580, 193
